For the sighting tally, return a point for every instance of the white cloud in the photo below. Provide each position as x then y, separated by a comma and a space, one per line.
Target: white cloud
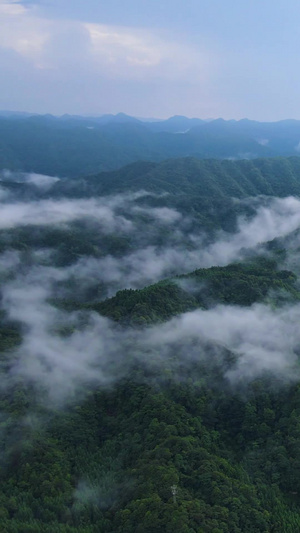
147, 261
67, 353
60, 363
113, 213
125, 50
22, 31
11, 8
150, 263
128, 44
94, 350
278, 218
114, 51
61, 211
263, 339
263, 142
164, 214
41, 181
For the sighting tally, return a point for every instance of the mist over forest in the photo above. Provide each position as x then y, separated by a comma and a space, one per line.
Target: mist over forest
149, 266
149, 332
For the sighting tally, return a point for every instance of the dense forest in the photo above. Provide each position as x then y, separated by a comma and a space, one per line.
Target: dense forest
149, 334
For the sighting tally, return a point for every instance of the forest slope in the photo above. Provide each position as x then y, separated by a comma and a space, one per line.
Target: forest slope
190, 176
109, 463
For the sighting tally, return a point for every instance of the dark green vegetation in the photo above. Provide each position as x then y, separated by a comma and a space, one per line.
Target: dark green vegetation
209, 180
71, 146
106, 460
108, 463
237, 284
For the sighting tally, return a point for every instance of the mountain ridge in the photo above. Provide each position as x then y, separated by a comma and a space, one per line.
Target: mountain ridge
72, 146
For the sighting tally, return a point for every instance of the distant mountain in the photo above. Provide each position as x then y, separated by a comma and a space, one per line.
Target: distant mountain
176, 124
74, 146
119, 118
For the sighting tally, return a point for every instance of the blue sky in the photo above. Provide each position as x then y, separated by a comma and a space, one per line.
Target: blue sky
204, 58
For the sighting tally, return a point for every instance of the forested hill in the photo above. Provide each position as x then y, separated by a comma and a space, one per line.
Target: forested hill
118, 388
109, 463
236, 284
72, 146
208, 178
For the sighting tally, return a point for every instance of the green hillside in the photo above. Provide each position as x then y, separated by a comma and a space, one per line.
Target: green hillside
161, 431
109, 463
236, 284
208, 178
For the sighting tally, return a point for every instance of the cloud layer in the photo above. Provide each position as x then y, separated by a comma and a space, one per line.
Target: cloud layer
159, 242
185, 253
65, 354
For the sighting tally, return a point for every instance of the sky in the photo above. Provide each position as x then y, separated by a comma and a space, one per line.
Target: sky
150, 58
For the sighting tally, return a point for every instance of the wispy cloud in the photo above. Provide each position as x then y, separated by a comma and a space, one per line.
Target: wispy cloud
57, 212
12, 8
262, 339
22, 31
46, 357
65, 354
133, 52
113, 213
41, 181
158, 242
182, 253
263, 142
